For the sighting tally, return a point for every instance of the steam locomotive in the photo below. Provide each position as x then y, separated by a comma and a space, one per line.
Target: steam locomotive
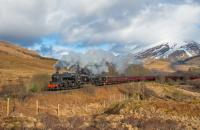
71, 80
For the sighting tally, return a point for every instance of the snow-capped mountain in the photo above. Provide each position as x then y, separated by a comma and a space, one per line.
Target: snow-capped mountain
171, 50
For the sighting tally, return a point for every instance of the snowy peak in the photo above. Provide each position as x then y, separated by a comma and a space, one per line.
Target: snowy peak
192, 48
171, 50
154, 52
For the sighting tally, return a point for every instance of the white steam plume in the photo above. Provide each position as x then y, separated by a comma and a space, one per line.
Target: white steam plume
96, 61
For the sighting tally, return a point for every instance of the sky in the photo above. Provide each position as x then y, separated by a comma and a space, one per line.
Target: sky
58, 27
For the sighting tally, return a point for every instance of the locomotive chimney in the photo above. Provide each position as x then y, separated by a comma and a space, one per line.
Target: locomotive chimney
57, 69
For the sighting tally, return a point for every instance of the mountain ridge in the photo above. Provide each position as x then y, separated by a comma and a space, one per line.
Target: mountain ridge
174, 51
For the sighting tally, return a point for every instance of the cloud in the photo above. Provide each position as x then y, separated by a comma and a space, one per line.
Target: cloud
163, 23
125, 23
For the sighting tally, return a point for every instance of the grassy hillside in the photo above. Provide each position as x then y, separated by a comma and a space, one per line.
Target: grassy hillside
19, 62
191, 64
159, 65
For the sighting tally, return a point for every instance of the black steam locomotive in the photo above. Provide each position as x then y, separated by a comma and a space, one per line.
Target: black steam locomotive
70, 80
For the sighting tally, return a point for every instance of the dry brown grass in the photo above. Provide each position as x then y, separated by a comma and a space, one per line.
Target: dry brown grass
160, 106
19, 62
159, 65
186, 113
171, 108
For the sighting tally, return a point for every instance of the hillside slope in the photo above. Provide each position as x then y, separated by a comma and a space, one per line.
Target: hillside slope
193, 60
159, 65
19, 62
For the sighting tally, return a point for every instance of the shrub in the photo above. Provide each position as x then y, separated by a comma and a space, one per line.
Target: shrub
195, 84
39, 82
21, 90
161, 79
34, 88
136, 91
18, 90
50, 121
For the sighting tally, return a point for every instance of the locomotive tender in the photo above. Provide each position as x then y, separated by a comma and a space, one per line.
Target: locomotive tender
71, 80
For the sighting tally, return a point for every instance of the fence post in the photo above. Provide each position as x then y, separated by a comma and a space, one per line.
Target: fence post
72, 110
58, 110
8, 106
86, 108
37, 107
138, 96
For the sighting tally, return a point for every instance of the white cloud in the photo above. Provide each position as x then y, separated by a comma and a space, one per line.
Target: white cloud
164, 23
93, 22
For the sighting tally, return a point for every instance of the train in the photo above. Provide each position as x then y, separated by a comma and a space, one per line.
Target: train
72, 80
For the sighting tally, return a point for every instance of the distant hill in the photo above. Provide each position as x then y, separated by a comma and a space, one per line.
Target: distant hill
193, 60
17, 62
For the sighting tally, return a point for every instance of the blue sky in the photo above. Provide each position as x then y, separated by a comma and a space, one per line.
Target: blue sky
55, 28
